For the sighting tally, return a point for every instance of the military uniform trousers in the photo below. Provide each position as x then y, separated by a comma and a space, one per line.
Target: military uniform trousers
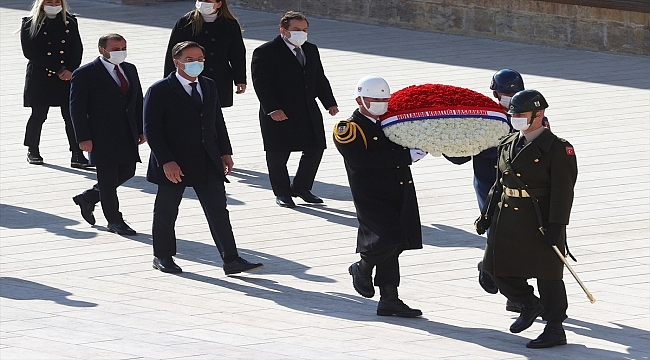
552, 295
212, 196
386, 263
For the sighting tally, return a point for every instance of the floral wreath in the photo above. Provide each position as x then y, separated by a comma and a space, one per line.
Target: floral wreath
444, 119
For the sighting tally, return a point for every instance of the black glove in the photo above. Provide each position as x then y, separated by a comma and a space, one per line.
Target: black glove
482, 224
554, 233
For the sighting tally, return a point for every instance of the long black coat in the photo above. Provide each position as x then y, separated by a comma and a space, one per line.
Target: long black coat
57, 46
281, 83
381, 183
178, 129
225, 53
101, 113
515, 246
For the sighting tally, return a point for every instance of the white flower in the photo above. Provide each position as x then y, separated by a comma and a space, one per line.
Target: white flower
452, 136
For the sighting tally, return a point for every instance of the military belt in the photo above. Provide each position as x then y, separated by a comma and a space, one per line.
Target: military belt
521, 193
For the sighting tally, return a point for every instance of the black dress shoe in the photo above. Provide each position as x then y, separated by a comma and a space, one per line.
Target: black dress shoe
306, 195
79, 161
86, 208
34, 157
553, 335
166, 265
529, 313
120, 228
285, 201
513, 306
362, 279
240, 265
485, 280
390, 304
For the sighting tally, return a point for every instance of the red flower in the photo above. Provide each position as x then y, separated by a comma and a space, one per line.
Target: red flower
433, 96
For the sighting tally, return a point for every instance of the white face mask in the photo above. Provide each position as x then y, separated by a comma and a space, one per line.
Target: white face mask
297, 37
52, 10
505, 101
204, 8
519, 123
117, 57
376, 108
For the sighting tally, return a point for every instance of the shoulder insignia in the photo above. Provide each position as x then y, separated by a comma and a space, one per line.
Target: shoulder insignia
569, 150
562, 140
346, 132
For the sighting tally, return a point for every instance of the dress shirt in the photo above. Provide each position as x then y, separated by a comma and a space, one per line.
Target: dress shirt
186, 85
110, 67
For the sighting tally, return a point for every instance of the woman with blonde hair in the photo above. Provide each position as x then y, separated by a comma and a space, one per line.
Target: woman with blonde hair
50, 41
212, 25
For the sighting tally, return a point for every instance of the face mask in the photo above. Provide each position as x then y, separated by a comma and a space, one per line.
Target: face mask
193, 69
505, 101
204, 8
377, 108
297, 37
519, 123
117, 57
52, 10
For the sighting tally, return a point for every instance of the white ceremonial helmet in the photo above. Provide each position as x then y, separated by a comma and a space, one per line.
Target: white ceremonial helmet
373, 87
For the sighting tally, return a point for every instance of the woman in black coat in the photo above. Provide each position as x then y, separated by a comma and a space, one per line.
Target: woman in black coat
214, 27
50, 41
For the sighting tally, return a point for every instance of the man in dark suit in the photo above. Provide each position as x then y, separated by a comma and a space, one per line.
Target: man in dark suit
288, 77
106, 110
189, 147
384, 196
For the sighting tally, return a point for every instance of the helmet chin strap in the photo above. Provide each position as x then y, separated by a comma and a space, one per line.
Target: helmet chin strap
363, 102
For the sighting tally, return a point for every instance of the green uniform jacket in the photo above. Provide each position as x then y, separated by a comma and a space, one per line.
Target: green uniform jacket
515, 246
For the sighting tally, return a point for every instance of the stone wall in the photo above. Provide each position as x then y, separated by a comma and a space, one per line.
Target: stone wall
540, 22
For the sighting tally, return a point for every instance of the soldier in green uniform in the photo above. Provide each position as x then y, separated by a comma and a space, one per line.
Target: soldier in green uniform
384, 196
527, 210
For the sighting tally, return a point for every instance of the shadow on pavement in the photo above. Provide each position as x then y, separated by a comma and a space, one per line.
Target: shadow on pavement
440, 235
356, 308
16, 217
19, 289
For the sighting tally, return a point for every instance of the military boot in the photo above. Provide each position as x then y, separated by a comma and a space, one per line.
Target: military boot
553, 335
361, 273
34, 156
485, 280
530, 311
79, 161
513, 306
391, 305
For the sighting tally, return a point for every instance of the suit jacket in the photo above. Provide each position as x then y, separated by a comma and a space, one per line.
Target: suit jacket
515, 246
178, 129
281, 83
381, 184
225, 53
102, 113
56, 47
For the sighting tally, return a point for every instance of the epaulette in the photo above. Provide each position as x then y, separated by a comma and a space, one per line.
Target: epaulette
561, 140
346, 131
507, 138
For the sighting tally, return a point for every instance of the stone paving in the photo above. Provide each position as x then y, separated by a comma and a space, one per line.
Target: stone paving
72, 291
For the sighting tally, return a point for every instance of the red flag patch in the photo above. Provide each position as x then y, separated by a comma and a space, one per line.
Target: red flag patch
569, 150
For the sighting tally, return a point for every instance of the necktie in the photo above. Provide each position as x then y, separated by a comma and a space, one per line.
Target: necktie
195, 93
124, 85
520, 144
299, 56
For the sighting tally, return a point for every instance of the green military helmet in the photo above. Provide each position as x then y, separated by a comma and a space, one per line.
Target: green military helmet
527, 100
